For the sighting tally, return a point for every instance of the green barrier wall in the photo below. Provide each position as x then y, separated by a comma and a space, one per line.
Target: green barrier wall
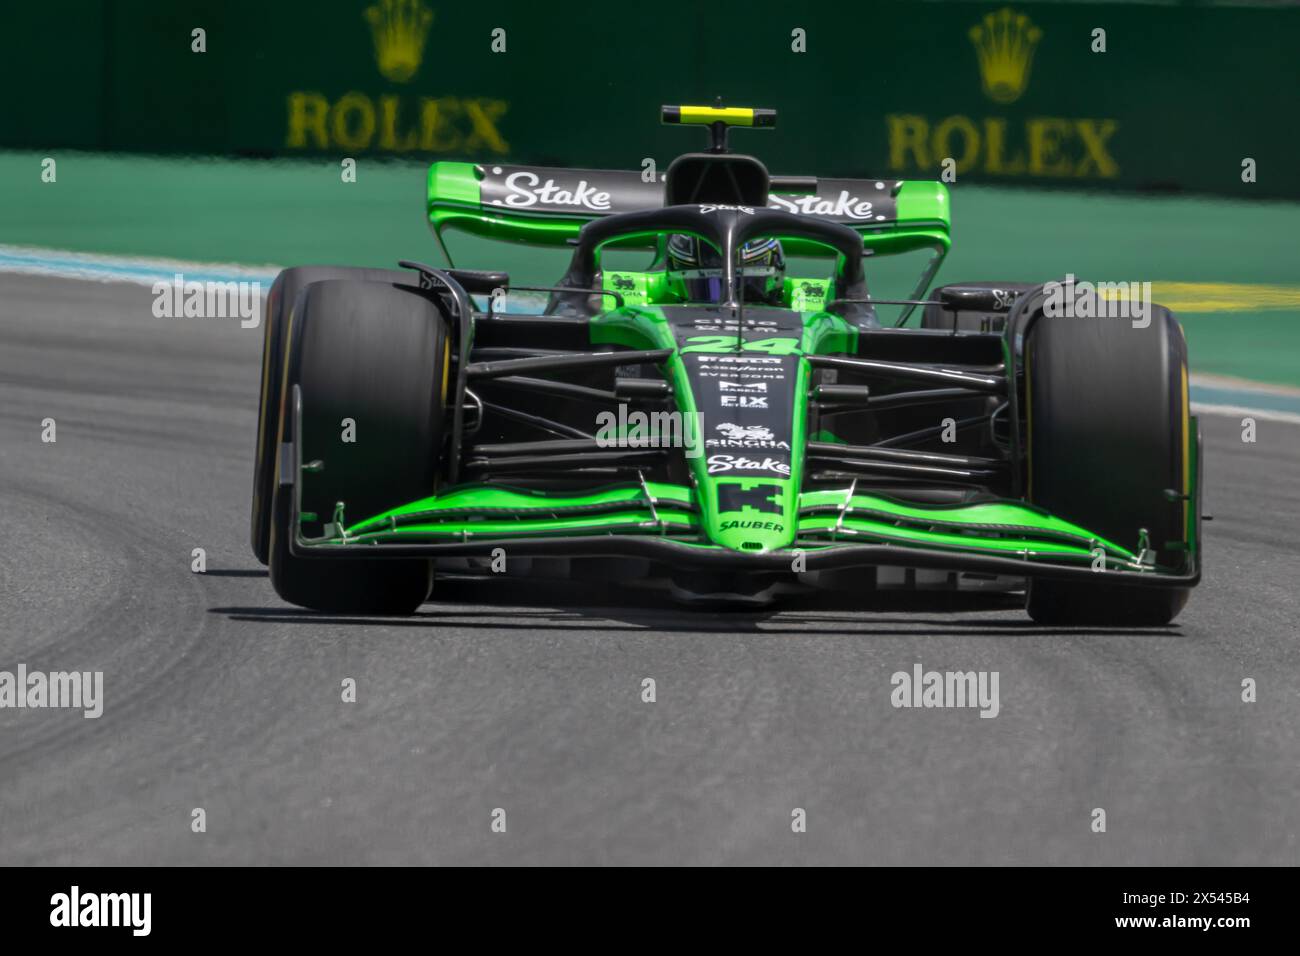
1013, 94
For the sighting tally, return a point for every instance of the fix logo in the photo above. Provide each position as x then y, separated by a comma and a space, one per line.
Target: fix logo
744, 401
719, 464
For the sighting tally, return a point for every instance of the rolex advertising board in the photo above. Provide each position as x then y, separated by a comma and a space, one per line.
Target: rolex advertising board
1066, 94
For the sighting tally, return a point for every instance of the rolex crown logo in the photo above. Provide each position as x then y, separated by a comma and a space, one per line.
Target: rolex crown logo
1005, 44
399, 28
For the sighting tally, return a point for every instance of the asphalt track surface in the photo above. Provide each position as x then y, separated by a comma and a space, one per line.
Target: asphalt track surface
219, 696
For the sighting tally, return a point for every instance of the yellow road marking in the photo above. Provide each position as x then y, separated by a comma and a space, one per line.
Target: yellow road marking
1218, 296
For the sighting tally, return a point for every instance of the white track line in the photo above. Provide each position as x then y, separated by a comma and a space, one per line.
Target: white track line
145, 270
1241, 411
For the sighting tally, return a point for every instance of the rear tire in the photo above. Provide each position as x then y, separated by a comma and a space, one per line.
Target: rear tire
279, 304
373, 353
1106, 405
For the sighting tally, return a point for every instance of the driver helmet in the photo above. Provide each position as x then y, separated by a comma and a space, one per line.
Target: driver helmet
697, 268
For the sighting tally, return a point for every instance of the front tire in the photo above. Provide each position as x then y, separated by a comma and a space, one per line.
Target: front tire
279, 306
1109, 435
373, 354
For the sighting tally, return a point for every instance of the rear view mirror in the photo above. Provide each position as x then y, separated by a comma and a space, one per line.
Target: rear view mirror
976, 299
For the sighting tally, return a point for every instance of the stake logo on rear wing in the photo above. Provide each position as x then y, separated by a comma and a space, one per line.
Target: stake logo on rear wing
535, 190
584, 192
548, 206
846, 201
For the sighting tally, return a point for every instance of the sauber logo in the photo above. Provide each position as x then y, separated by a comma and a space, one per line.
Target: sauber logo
723, 463
526, 188
753, 526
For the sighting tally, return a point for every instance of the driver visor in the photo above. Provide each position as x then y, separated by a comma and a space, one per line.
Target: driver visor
705, 285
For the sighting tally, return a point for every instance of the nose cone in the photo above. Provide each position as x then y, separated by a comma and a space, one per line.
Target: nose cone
754, 535
753, 515
748, 383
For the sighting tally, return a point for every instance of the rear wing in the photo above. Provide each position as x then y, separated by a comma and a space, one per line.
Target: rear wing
547, 206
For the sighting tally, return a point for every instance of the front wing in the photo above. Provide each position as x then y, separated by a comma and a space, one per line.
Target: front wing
837, 528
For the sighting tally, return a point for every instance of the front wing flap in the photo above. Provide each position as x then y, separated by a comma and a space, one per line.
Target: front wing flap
836, 528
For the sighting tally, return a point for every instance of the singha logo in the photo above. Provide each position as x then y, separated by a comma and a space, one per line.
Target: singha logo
1005, 44
400, 28
745, 432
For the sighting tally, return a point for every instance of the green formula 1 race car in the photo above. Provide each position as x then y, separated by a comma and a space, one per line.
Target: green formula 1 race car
713, 421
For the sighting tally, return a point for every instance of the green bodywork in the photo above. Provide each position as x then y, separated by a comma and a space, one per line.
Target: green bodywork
824, 518
454, 202
691, 514
646, 327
